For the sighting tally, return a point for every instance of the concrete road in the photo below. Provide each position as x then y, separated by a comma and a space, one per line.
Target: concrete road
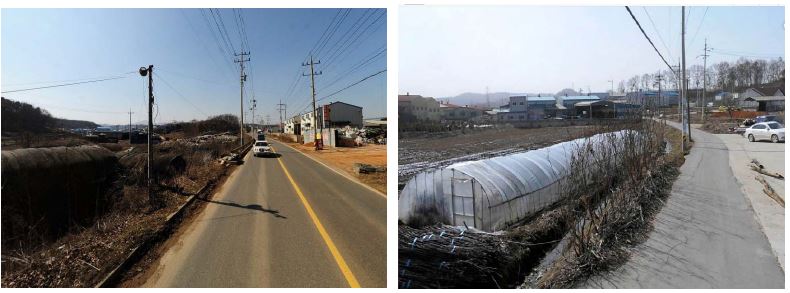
268, 227
706, 236
770, 214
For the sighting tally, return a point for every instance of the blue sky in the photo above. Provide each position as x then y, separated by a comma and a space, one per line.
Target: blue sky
448, 50
43, 47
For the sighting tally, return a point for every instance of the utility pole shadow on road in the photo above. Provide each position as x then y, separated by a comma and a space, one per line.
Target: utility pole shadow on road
254, 207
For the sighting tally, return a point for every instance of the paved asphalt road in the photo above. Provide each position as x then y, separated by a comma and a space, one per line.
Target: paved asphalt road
258, 232
706, 236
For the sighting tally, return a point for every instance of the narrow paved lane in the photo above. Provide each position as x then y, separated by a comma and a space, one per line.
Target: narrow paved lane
258, 232
706, 236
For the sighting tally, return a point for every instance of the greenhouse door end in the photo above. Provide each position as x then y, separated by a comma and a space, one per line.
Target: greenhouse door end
463, 196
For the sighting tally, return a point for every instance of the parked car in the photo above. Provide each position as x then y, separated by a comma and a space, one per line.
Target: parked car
773, 131
766, 118
261, 148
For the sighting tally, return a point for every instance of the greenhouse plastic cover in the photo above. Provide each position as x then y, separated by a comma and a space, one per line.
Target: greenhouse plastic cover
492, 193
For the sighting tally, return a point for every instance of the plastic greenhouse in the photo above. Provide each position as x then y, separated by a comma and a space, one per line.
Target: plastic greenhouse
490, 194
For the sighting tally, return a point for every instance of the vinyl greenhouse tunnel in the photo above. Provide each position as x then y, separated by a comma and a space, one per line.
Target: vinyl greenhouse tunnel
492, 194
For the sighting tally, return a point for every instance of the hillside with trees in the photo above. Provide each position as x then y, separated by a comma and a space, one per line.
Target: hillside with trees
721, 76
23, 117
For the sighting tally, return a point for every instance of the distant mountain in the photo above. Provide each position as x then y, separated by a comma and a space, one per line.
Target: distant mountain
496, 99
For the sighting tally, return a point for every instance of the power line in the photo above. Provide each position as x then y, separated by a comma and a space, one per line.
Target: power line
332, 34
359, 44
318, 42
350, 37
78, 110
67, 84
199, 39
648, 38
355, 27
66, 80
345, 50
193, 77
302, 111
744, 54
356, 67
669, 52
238, 27
353, 84
700, 25
179, 94
220, 47
224, 30
246, 44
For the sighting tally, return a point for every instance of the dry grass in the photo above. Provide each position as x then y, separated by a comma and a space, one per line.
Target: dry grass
617, 205
87, 253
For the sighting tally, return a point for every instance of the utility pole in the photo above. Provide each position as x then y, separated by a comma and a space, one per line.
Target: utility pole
242, 79
488, 100
130, 126
612, 83
704, 77
319, 143
150, 73
684, 84
281, 108
253, 109
696, 85
658, 82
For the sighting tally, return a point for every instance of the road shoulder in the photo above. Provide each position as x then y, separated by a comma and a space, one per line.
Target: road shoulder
768, 213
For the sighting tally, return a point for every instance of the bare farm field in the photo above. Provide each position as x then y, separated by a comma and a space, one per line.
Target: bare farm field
424, 151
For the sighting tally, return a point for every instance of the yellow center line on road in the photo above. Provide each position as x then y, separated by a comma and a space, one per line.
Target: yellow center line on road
341, 263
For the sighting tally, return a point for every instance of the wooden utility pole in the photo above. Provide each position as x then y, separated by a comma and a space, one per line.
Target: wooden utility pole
150, 73
242, 79
319, 143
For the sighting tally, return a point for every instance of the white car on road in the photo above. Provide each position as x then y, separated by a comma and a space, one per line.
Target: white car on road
773, 131
262, 148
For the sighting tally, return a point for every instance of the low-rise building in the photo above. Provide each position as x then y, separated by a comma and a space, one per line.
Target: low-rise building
340, 114
306, 121
605, 109
515, 110
293, 125
541, 107
745, 99
768, 103
418, 108
455, 112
